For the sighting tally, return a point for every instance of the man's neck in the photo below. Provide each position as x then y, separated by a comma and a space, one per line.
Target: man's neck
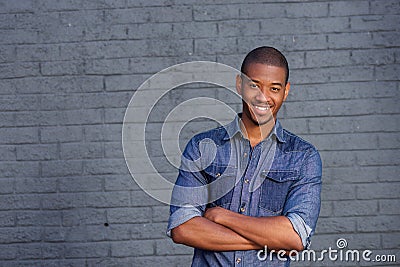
256, 133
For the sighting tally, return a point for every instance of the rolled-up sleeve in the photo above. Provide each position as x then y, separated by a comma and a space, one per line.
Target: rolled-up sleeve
190, 191
304, 200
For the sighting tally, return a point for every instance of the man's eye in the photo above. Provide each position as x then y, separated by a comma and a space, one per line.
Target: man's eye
275, 89
253, 85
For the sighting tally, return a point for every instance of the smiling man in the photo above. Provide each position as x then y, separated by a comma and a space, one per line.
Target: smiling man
271, 178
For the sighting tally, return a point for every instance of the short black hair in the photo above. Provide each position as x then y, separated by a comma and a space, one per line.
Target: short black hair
266, 55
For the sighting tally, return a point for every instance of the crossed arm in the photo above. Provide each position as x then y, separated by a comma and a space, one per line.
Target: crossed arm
222, 230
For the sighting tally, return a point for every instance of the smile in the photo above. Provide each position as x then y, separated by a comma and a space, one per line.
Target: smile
262, 108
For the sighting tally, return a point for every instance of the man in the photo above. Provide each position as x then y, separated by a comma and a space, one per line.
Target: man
274, 202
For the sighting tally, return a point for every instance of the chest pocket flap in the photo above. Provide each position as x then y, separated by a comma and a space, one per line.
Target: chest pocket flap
275, 188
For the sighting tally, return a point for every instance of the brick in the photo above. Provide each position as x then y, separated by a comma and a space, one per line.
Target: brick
37, 152
20, 201
29, 251
7, 185
355, 208
93, 133
63, 85
391, 240
160, 213
108, 199
8, 153
61, 168
7, 54
107, 66
215, 12
349, 40
347, 8
43, 218
62, 68
141, 199
53, 251
343, 141
83, 216
37, 52
388, 173
61, 134
326, 58
148, 231
336, 225
167, 247
148, 30
378, 223
8, 218
62, 201
388, 141
340, 174
87, 250
129, 215
388, 206
19, 36
113, 150
36, 185
385, 39
376, 158
118, 232
339, 158
296, 10
81, 150
8, 252
387, 72
212, 46
19, 169
339, 192
80, 184
124, 82
102, 166
61, 102
377, 191
375, 23
21, 234
21, 135
193, 30
132, 248
120, 183
373, 57
386, 7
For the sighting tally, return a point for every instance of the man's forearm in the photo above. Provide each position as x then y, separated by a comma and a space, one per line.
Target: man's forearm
274, 232
202, 233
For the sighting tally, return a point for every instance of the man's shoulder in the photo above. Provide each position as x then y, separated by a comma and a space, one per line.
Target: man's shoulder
294, 142
216, 134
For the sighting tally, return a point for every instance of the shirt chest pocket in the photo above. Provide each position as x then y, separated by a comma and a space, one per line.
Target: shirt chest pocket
274, 190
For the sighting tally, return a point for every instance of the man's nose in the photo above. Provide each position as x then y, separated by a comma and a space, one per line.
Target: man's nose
262, 96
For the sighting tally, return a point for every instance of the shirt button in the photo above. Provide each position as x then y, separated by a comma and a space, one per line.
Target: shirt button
242, 209
218, 175
246, 181
245, 154
238, 260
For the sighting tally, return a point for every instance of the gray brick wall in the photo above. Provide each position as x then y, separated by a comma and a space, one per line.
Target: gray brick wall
69, 68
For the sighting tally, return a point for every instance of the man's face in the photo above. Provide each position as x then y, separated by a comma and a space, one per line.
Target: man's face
263, 92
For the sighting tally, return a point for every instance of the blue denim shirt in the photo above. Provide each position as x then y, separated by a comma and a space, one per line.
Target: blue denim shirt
279, 176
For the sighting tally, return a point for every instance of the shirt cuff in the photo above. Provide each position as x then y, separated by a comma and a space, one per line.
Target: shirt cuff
301, 228
181, 216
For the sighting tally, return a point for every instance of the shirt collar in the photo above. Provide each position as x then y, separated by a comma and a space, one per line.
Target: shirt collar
233, 128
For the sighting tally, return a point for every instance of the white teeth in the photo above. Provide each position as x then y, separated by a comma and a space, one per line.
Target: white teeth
261, 108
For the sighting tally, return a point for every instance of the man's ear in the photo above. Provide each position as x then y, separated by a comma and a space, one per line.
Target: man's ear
239, 84
287, 89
